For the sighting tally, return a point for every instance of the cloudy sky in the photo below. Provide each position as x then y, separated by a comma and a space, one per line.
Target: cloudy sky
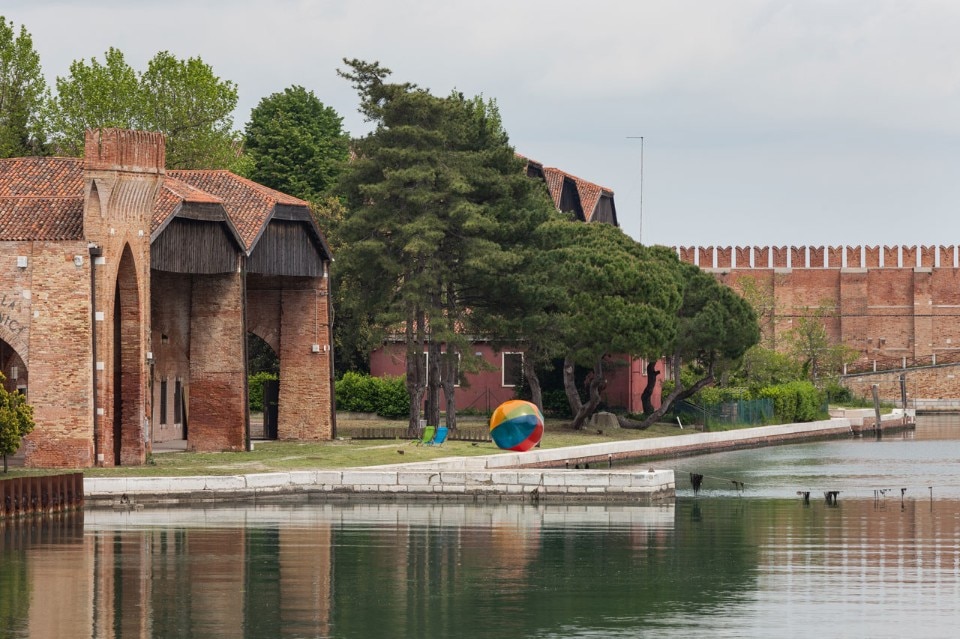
763, 123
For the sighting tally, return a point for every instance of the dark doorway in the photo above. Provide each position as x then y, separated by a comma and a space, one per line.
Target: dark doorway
128, 376
117, 377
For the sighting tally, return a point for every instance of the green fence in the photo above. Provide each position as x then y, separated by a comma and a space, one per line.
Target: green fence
751, 412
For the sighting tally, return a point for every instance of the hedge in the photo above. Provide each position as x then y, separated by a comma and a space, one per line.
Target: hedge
385, 396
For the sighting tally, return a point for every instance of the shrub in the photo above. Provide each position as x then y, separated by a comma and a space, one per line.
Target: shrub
393, 400
385, 396
356, 393
255, 389
795, 401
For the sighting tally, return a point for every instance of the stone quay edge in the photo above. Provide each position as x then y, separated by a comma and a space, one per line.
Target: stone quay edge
577, 473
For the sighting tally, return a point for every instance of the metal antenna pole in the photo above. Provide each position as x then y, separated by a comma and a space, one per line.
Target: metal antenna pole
640, 137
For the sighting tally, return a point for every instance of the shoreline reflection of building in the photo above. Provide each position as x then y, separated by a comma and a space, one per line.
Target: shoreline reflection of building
271, 570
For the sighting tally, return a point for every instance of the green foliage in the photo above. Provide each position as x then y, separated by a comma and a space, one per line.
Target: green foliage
837, 393
718, 395
810, 343
182, 99
255, 389
436, 203
261, 357
762, 366
603, 292
22, 93
192, 107
385, 396
297, 144
794, 402
16, 420
555, 404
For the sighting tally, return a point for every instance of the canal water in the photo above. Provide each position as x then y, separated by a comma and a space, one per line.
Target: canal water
744, 557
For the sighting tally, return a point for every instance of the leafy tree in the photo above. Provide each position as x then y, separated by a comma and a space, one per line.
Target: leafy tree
606, 294
432, 194
762, 300
762, 366
809, 343
715, 327
182, 99
297, 144
22, 92
187, 102
16, 420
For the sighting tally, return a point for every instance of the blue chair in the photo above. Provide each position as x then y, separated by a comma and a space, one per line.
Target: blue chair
439, 437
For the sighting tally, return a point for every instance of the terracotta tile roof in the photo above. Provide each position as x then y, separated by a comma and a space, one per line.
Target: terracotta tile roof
174, 193
554, 184
589, 192
41, 199
248, 204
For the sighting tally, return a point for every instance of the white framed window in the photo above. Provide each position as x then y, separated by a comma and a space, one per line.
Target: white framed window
511, 369
459, 375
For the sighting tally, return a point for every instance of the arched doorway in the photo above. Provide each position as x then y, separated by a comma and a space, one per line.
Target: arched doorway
13, 368
263, 366
128, 370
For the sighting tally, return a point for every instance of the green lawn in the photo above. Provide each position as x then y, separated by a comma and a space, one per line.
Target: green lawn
273, 456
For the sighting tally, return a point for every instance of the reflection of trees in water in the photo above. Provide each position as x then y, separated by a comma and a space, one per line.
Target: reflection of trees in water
445, 581
14, 593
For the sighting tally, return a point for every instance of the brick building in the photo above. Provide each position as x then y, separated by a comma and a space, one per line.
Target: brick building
127, 295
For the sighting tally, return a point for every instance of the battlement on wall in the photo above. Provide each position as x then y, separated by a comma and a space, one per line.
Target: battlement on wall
825, 257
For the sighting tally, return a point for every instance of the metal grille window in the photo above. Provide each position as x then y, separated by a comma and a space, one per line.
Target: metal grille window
177, 398
163, 402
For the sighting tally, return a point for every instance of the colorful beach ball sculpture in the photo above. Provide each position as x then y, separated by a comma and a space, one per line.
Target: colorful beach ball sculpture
516, 425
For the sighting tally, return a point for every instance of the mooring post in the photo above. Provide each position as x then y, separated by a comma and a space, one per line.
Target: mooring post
875, 389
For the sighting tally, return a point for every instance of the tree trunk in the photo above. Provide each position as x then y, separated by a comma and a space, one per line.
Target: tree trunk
433, 384
597, 382
647, 395
570, 386
679, 394
448, 381
530, 374
416, 367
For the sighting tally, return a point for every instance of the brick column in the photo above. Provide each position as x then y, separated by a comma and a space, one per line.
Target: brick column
305, 343
217, 397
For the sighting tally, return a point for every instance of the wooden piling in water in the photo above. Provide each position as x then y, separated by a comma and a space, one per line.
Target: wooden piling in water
38, 495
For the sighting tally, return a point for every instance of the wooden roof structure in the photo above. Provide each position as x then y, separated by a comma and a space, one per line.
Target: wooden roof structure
202, 220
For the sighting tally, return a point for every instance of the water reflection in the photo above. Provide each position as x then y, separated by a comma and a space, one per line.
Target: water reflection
722, 566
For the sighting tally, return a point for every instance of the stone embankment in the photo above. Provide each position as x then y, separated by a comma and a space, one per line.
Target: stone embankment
579, 473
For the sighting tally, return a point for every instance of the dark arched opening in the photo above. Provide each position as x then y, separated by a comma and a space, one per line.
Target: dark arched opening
263, 366
128, 446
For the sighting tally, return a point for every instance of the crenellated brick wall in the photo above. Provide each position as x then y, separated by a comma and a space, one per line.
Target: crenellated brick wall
761, 257
895, 305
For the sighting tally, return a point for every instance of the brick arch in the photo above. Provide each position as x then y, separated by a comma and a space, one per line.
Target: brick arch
263, 316
13, 366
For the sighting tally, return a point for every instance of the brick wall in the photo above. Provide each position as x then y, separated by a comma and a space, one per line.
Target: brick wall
54, 304
886, 307
217, 417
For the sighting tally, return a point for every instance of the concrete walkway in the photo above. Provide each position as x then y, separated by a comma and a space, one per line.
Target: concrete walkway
555, 474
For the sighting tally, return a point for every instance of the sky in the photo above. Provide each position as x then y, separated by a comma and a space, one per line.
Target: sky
807, 122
